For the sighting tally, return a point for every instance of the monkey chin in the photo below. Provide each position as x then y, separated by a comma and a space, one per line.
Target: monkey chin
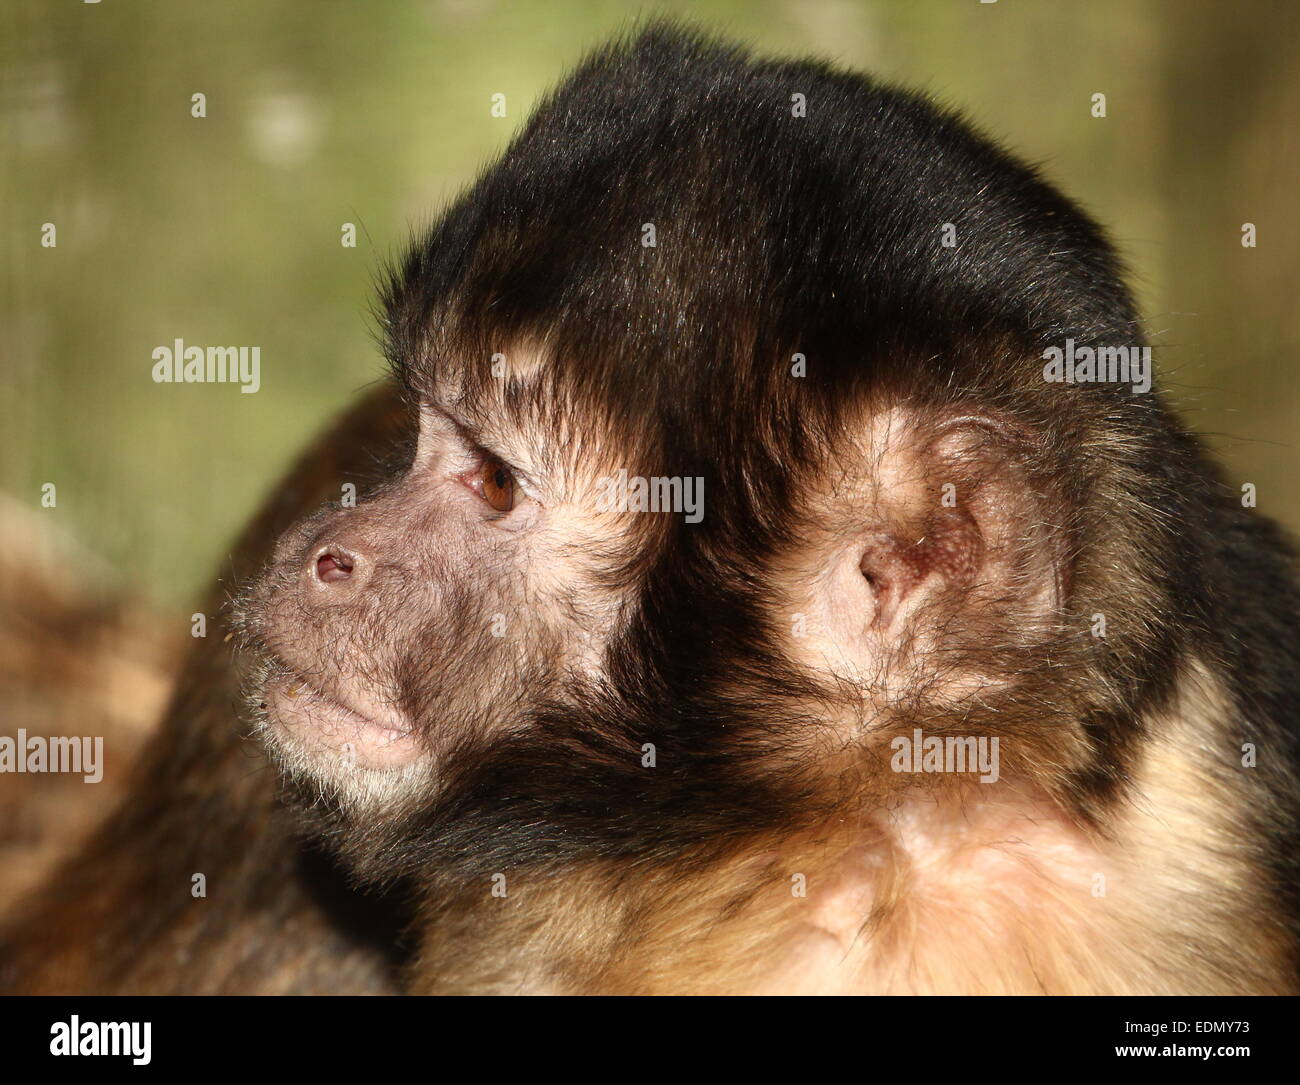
354, 762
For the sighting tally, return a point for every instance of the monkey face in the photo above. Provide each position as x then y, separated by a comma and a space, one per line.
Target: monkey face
430, 617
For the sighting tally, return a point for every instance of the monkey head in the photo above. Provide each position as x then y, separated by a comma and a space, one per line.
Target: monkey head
731, 458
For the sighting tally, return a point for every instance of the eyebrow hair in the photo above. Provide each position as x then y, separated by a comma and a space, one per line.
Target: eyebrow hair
473, 436
464, 429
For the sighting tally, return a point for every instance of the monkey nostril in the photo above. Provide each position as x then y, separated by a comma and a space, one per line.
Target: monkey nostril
333, 565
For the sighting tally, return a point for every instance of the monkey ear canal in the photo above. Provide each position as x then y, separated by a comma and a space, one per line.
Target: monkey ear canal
946, 555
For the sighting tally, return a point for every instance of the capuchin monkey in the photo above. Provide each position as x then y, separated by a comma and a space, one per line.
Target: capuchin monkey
779, 575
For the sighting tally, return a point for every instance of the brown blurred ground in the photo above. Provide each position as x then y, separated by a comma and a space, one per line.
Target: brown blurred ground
76, 659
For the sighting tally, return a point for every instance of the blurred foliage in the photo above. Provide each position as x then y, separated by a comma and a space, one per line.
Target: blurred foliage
226, 229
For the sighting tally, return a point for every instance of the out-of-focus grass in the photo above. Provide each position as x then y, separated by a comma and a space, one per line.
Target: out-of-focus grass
225, 230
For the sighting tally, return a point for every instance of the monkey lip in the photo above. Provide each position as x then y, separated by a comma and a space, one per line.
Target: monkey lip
331, 727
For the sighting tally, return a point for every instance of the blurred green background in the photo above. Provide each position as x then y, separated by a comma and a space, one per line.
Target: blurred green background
226, 229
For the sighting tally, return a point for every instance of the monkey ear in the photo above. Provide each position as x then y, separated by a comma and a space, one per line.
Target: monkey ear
957, 551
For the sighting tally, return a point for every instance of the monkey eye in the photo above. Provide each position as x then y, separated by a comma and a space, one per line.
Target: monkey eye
494, 482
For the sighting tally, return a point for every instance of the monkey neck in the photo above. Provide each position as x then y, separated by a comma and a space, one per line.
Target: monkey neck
940, 889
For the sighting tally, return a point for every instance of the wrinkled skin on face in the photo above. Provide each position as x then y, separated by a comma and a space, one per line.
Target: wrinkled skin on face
432, 616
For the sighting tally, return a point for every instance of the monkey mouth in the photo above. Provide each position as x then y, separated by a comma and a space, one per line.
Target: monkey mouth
328, 727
